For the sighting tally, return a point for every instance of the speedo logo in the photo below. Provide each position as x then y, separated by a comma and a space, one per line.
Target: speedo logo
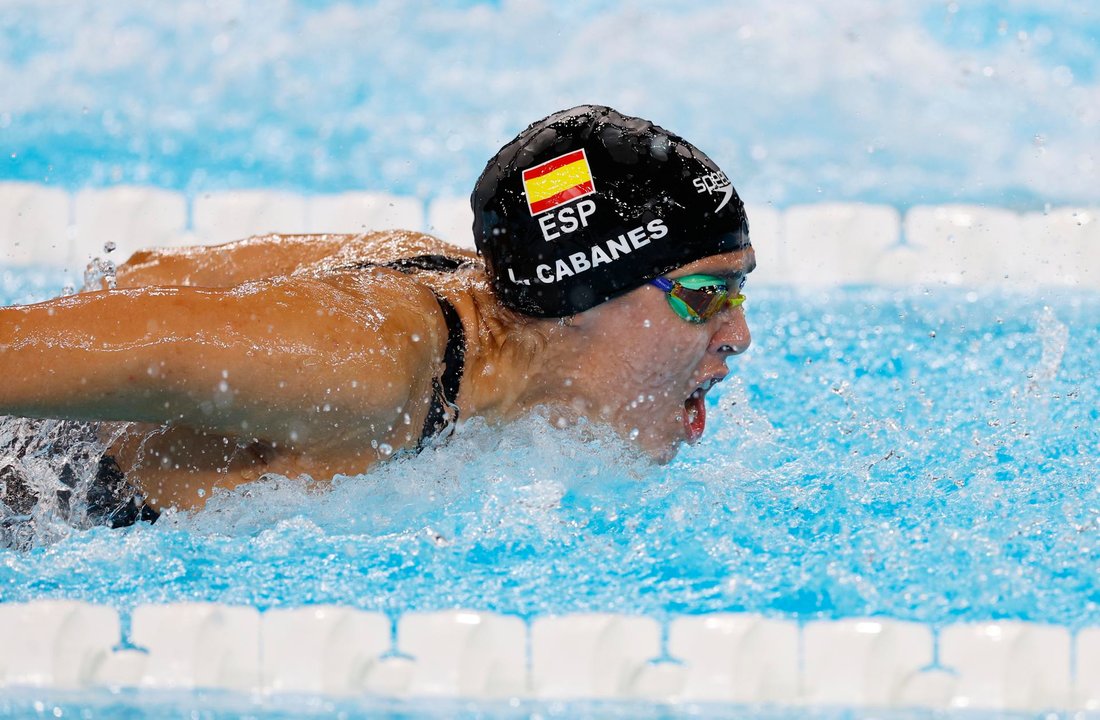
715, 182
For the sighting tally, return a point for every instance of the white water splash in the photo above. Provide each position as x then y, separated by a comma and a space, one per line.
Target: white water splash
1054, 335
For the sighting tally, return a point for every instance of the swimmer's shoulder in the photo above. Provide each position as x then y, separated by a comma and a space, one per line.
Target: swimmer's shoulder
389, 246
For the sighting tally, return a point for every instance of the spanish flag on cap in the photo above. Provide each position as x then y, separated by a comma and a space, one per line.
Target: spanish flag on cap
558, 181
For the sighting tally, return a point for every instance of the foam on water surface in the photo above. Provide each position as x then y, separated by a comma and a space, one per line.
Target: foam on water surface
799, 102
923, 455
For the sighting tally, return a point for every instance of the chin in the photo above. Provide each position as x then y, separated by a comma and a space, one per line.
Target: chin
662, 454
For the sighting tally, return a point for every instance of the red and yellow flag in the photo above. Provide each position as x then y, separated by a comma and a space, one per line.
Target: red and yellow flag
555, 182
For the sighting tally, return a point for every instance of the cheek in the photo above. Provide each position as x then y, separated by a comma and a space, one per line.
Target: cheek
662, 365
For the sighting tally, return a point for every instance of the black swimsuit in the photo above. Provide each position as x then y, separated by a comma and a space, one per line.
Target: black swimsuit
443, 412
114, 501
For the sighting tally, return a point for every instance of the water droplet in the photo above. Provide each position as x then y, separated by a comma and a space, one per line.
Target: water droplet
109, 246
223, 386
634, 432
385, 449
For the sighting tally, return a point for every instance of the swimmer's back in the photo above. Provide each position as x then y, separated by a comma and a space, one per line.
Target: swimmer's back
265, 256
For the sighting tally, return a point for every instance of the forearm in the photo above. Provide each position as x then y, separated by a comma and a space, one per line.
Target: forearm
253, 360
93, 356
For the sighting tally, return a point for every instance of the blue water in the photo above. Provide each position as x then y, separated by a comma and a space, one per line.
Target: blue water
920, 455
228, 706
902, 103
927, 456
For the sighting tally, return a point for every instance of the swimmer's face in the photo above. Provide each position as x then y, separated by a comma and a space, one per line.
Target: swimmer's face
649, 369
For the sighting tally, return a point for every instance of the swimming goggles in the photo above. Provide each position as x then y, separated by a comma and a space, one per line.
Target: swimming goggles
698, 298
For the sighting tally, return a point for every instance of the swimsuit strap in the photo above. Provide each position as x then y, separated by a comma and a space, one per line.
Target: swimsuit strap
443, 413
431, 263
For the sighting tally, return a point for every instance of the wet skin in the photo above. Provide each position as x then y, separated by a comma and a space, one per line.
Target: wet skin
643, 361
271, 355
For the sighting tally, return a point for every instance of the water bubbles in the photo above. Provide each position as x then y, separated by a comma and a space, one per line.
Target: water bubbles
223, 386
109, 247
220, 44
437, 538
385, 449
455, 142
1062, 76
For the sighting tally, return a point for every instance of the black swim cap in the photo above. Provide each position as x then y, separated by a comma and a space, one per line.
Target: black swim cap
588, 203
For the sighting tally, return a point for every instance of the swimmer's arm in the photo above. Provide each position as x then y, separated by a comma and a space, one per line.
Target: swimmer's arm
295, 362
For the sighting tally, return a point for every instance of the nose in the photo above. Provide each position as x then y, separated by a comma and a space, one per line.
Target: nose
732, 336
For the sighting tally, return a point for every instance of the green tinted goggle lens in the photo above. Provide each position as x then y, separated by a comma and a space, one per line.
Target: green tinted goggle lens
697, 298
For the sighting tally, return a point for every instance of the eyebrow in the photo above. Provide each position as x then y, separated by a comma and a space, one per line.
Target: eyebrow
745, 268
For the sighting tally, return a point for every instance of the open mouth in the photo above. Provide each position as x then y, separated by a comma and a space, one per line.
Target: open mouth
695, 415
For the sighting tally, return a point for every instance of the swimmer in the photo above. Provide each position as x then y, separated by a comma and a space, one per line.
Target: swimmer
606, 286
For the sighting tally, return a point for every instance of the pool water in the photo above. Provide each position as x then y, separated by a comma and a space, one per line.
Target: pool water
926, 455
228, 706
